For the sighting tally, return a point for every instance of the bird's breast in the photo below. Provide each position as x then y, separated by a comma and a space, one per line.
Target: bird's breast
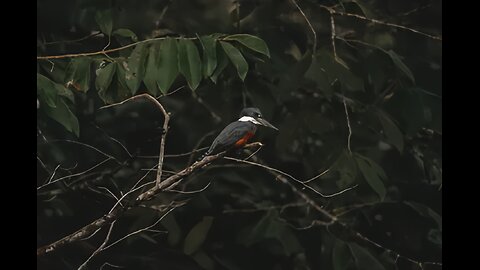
242, 141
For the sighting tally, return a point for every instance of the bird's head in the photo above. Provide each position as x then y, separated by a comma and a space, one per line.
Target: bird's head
255, 116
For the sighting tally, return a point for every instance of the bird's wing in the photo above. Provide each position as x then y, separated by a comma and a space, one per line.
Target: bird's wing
229, 136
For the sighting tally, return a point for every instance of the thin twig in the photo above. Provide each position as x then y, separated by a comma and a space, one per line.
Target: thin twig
73, 41
171, 93
253, 154
215, 116
333, 34
291, 177
72, 55
73, 175
349, 127
341, 13
191, 192
141, 230
112, 265
164, 131
309, 25
88, 146
252, 210
317, 176
99, 249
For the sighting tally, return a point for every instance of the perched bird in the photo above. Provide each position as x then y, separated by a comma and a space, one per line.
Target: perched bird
237, 133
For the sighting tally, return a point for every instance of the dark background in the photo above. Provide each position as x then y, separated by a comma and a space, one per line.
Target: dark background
396, 122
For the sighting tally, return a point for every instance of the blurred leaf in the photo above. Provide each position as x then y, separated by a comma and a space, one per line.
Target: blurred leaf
168, 64
105, 76
341, 256
268, 227
366, 9
204, 260
46, 91
222, 64
435, 236
426, 211
364, 259
336, 71
189, 62
123, 32
407, 107
135, 68
252, 42
62, 114
237, 59
400, 65
373, 174
291, 78
118, 89
197, 235
393, 133
104, 21
174, 231
152, 69
64, 92
347, 167
319, 76
209, 45
77, 74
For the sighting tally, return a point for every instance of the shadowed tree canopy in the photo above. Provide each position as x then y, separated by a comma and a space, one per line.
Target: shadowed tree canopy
130, 94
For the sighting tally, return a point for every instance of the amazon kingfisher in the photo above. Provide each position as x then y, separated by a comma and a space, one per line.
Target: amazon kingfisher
237, 133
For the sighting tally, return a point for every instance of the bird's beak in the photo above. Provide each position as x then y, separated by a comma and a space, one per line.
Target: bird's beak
264, 122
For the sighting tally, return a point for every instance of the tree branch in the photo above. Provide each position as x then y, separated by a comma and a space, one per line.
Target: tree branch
117, 210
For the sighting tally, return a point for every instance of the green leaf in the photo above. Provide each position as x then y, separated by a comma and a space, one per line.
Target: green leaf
63, 115
77, 74
104, 21
393, 133
197, 235
189, 62
46, 91
237, 59
341, 256
209, 45
64, 92
363, 259
174, 230
347, 168
252, 42
408, 108
105, 76
135, 68
400, 65
123, 32
222, 64
152, 71
426, 211
373, 174
118, 89
204, 260
168, 64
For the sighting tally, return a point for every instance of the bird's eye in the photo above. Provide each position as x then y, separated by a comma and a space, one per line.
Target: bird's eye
259, 115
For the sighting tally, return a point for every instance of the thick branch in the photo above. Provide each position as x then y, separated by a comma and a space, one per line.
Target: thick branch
167, 184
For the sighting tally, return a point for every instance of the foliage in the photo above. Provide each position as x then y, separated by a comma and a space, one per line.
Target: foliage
205, 61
